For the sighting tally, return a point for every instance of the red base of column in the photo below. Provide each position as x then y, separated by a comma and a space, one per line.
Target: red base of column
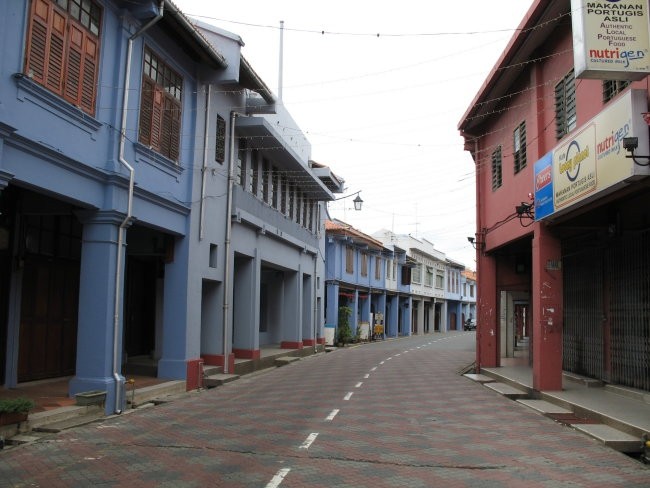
194, 375
321, 340
291, 345
217, 360
308, 342
246, 353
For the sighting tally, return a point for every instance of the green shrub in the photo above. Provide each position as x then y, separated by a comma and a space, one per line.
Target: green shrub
14, 405
345, 332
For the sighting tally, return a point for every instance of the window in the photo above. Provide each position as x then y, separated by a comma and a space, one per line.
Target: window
255, 173
428, 279
377, 268
364, 264
160, 107
471, 290
220, 140
416, 276
519, 146
406, 276
497, 178
275, 188
440, 281
240, 165
349, 259
266, 168
389, 269
613, 87
62, 51
565, 106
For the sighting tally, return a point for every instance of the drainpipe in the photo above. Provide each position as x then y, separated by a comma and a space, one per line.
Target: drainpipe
226, 267
119, 384
205, 163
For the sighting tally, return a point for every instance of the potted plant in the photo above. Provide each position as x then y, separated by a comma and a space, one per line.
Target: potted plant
14, 410
344, 330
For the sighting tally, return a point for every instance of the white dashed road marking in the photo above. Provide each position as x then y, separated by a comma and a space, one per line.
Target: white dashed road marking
332, 414
348, 396
309, 440
277, 479
358, 385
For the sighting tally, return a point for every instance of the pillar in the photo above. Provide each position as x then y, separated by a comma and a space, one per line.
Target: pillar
547, 310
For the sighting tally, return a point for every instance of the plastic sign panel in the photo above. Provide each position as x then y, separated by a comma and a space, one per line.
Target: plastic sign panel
591, 161
611, 39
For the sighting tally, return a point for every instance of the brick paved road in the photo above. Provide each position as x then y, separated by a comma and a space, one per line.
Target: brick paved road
391, 414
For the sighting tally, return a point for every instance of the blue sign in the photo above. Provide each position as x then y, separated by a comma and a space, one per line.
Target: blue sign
544, 187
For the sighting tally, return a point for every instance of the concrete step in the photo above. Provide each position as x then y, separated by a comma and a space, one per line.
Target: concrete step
479, 378
21, 439
39, 419
215, 380
611, 437
212, 370
155, 393
284, 360
69, 423
507, 390
544, 407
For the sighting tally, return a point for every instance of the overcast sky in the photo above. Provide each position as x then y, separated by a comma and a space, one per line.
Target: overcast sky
379, 87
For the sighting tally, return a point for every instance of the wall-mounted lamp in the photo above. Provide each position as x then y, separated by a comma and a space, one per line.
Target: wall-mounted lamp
630, 144
476, 242
525, 211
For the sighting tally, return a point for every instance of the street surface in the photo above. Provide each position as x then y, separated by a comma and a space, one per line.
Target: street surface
387, 414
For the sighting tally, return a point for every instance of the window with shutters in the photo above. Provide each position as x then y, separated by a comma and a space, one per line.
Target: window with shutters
497, 170
160, 107
378, 265
566, 117
62, 51
519, 146
220, 140
613, 87
349, 259
364, 264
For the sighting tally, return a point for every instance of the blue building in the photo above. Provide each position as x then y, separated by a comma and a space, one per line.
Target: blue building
148, 212
371, 279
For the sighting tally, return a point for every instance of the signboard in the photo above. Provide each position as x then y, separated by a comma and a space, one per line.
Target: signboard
611, 39
591, 161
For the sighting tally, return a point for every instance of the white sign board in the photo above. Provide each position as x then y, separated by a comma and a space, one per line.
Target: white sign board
611, 39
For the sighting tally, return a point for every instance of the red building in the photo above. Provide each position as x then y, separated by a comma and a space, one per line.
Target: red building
563, 219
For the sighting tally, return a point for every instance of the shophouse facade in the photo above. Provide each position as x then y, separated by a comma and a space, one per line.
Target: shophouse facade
142, 196
454, 295
355, 278
562, 220
468, 295
427, 281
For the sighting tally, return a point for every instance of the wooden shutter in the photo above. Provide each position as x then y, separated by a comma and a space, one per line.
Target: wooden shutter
146, 111
45, 46
81, 72
62, 55
170, 128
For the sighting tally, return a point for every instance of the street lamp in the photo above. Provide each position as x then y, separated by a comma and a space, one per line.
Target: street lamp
357, 201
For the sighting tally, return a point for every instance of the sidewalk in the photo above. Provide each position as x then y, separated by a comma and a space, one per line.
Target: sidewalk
614, 415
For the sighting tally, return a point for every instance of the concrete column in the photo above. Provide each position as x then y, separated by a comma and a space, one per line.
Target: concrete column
307, 320
420, 325
487, 314
392, 315
547, 310
245, 309
94, 367
292, 310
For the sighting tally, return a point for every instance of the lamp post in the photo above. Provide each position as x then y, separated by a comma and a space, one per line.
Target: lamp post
358, 202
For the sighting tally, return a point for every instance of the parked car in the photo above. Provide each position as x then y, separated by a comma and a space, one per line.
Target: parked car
470, 324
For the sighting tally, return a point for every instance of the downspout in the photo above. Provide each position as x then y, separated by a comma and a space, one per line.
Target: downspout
226, 267
204, 168
119, 384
